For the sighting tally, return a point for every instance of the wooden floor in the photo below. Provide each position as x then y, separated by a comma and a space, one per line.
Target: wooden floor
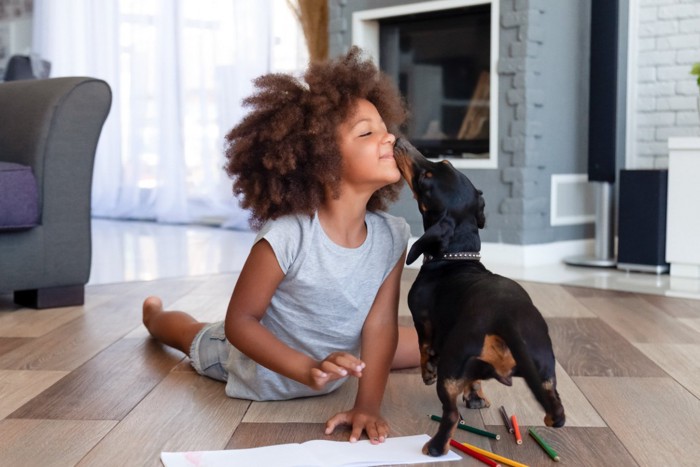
86, 386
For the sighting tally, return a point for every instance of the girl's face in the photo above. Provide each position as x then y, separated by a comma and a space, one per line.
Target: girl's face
367, 149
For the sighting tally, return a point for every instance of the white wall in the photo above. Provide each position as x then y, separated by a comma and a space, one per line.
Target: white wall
663, 94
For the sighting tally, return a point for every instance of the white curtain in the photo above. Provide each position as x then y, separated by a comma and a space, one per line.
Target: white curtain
178, 70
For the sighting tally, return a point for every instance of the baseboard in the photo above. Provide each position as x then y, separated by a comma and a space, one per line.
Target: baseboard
526, 255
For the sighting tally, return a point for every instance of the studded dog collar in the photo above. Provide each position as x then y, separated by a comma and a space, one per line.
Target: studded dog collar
458, 256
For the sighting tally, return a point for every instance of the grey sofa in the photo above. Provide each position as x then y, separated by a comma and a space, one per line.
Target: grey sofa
52, 127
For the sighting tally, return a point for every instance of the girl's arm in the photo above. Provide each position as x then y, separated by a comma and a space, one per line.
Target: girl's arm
379, 339
257, 282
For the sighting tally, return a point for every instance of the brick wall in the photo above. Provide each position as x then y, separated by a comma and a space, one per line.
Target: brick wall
668, 43
524, 213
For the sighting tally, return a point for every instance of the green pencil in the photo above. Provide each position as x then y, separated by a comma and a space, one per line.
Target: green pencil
463, 426
551, 452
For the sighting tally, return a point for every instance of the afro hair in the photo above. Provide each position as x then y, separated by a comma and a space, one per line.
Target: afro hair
283, 156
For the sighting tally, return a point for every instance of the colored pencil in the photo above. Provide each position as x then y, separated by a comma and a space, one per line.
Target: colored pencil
506, 419
496, 457
550, 452
474, 454
463, 426
516, 429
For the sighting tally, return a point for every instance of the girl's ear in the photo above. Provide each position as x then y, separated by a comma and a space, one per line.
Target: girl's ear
434, 240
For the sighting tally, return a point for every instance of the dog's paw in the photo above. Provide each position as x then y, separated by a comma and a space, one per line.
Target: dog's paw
554, 423
435, 449
473, 396
429, 372
556, 419
473, 401
429, 379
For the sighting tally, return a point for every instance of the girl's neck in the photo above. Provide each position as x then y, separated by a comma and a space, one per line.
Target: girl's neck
343, 221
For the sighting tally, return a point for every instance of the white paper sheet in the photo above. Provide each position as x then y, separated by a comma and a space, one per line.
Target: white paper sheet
322, 453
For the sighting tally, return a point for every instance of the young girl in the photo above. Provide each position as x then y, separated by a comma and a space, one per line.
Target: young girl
317, 299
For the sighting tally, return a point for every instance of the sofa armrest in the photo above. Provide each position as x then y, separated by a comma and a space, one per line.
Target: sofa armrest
53, 125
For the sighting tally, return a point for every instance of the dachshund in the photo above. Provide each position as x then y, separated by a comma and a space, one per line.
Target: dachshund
472, 325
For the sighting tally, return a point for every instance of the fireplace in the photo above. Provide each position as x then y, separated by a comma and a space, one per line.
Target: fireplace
538, 108
441, 55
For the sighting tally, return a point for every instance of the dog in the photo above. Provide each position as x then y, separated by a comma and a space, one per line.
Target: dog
472, 324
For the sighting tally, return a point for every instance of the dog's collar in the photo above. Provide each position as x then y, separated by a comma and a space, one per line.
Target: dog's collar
458, 256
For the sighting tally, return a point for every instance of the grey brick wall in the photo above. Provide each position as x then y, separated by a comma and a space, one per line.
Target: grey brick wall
668, 43
524, 213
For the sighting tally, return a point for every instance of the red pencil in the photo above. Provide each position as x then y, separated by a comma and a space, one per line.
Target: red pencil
474, 454
516, 429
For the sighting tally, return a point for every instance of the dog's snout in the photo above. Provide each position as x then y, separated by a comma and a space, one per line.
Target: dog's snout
410, 161
403, 145
399, 143
404, 148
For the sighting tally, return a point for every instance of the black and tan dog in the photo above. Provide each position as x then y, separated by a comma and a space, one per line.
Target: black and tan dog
472, 324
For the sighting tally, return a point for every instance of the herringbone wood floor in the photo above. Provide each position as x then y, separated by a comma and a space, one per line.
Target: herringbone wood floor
86, 386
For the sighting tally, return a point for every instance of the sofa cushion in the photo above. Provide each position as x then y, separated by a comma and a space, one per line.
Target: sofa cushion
19, 198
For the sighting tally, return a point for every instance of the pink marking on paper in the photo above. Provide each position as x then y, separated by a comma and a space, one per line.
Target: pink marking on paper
194, 458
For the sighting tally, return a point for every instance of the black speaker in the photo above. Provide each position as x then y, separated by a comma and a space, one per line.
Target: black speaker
602, 106
642, 221
602, 128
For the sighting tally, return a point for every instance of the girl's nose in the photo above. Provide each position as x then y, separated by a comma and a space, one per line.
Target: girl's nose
390, 138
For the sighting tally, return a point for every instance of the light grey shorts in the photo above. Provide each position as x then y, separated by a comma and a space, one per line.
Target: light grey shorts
209, 351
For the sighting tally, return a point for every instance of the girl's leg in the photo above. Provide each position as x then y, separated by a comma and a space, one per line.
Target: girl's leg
176, 329
407, 352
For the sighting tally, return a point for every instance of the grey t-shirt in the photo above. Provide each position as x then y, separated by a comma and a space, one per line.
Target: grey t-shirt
321, 304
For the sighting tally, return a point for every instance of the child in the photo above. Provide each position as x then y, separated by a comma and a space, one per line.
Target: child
320, 287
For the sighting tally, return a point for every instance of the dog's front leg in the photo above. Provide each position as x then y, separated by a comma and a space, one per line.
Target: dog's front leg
448, 390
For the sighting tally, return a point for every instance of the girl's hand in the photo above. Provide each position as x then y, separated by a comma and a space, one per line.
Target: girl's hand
376, 427
335, 366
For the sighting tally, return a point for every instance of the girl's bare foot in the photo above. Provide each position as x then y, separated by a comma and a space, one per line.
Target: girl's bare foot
174, 328
151, 307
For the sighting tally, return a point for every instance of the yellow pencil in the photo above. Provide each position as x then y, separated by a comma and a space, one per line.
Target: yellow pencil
495, 457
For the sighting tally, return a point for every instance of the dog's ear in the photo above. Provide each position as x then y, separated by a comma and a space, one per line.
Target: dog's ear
480, 217
433, 240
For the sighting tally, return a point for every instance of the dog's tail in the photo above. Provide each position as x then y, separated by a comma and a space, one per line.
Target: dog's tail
526, 368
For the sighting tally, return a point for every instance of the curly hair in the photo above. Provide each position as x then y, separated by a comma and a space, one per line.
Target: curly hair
284, 157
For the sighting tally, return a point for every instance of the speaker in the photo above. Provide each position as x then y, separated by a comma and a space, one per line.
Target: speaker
602, 128
642, 221
602, 106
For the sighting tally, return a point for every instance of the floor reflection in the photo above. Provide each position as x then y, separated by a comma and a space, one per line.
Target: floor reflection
132, 251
